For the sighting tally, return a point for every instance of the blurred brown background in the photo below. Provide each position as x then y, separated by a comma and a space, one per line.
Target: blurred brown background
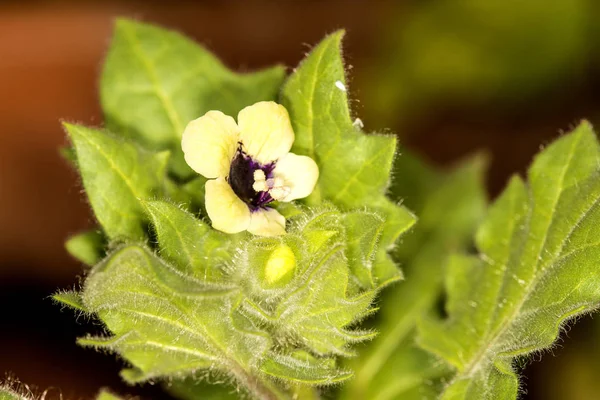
450, 77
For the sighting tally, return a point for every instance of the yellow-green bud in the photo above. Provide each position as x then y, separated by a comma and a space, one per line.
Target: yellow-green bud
280, 266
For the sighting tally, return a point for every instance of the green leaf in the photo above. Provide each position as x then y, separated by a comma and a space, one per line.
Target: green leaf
363, 231
536, 269
71, 299
449, 205
354, 167
155, 81
303, 368
116, 176
165, 323
87, 247
189, 243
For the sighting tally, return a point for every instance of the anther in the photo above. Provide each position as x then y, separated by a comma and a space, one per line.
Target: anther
259, 185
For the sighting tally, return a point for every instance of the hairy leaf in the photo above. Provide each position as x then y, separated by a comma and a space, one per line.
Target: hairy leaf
354, 167
363, 231
70, 298
449, 206
116, 176
537, 268
155, 81
302, 367
189, 243
164, 322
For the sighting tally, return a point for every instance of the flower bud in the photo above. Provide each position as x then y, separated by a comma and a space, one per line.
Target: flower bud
280, 266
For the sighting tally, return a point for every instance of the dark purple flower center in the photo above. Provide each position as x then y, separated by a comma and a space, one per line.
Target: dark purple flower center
241, 179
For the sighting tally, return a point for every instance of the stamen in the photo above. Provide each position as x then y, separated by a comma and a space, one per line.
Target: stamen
277, 189
279, 193
260, 185
259, 175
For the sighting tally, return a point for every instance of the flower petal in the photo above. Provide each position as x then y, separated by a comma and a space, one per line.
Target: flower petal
209, 144
266, 131
267, 223
227, 212
299, 174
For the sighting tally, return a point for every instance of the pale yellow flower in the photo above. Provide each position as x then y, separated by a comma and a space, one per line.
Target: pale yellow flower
249, 166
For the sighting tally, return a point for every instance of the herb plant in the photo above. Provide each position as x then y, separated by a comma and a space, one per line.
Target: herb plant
260, 257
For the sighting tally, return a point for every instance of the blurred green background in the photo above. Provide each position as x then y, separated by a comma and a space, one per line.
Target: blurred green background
450, 77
